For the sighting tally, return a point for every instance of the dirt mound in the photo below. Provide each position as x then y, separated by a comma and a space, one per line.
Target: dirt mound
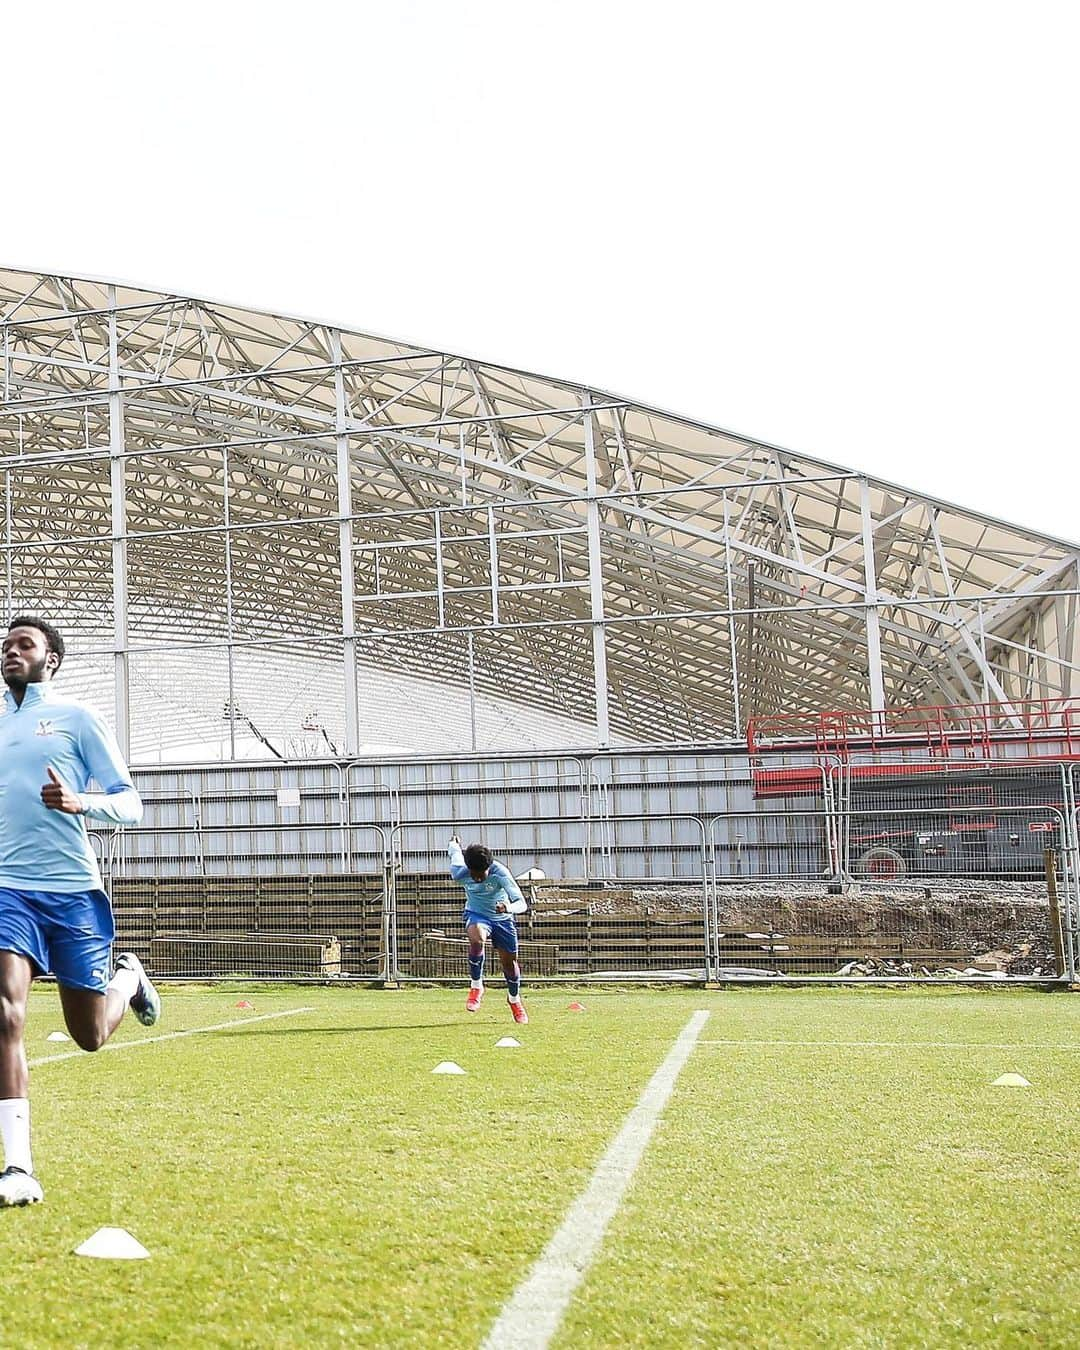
1008, 919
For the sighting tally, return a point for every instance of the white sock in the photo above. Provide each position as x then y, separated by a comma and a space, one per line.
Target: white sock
126, 982
15, 1128
513, 998
476, 984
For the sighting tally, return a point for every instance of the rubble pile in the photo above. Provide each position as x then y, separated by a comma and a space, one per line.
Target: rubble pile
994, 928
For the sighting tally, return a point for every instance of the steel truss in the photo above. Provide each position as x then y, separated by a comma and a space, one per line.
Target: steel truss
308, 506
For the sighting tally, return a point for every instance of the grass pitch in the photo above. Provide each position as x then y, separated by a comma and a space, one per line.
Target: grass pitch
307, 1181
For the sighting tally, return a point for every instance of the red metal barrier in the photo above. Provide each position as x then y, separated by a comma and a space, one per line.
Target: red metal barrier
900, 742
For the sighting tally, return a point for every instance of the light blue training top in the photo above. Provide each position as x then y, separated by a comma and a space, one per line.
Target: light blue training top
42, 849
482, 896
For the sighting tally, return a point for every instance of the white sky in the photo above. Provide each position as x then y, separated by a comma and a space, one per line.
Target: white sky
847, 228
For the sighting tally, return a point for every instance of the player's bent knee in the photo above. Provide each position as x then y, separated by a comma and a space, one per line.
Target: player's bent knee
88, 1038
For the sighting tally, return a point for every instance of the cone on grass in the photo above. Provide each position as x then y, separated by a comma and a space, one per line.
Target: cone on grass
508, 1043
57, 1036
576, 1007
448, 1066
1010, 1080
245, 1004
112, 1244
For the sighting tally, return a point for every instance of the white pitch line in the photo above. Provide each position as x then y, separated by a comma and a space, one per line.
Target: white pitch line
168, 1036
532, 1314
903, 1045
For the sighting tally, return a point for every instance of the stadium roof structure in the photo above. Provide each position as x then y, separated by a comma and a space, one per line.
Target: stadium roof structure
280, 527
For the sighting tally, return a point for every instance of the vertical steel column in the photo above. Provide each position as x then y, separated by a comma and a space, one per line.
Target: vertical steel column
875, 676
440, 580
737, 728
983, 667
493, 566
121, 690
596, 578
388, 958
1072, 872
345, 550
9, 611
230, 656
709, 907
472, 690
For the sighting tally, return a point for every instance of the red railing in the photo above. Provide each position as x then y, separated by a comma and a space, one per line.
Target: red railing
1051, 727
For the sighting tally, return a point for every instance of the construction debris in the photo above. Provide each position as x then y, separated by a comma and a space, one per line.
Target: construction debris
944, 928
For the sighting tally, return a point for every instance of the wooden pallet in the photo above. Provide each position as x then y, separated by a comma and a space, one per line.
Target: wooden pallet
240, 954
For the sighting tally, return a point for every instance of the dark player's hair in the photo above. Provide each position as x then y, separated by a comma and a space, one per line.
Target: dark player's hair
478, 858
53, 640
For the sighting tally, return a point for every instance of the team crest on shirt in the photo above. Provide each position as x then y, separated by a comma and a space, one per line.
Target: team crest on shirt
46, 727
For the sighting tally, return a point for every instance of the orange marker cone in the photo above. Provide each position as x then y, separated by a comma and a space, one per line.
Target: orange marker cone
576, 1007
245, 1004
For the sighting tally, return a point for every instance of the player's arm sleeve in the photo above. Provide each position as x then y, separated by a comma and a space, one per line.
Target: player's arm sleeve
458, 870
517, 904
119, 802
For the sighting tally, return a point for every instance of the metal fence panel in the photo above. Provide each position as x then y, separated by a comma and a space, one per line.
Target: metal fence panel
665, 865
266, 903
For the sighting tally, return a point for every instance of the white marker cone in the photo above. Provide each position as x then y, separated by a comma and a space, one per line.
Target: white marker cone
448, 1066
1010, 1080
113, 1244
508, 1043
57, 1036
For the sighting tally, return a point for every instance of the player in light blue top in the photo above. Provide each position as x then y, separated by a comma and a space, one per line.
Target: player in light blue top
492, 898
54, 916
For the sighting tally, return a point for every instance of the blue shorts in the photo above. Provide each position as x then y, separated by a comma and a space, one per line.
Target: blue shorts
499, 927
66, 935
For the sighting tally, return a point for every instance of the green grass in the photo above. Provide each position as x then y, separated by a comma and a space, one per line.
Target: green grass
307, 1181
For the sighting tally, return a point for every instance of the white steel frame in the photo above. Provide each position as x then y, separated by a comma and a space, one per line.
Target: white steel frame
183, 473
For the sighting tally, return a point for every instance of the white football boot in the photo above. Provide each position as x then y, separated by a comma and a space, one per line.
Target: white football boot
19, 1188
145, 1003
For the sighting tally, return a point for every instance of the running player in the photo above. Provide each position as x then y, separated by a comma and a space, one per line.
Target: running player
492, 898
54, 915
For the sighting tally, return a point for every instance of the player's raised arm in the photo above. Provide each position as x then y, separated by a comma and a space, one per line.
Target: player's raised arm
458, 870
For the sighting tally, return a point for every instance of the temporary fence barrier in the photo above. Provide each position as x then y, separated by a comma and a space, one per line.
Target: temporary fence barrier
631, 869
